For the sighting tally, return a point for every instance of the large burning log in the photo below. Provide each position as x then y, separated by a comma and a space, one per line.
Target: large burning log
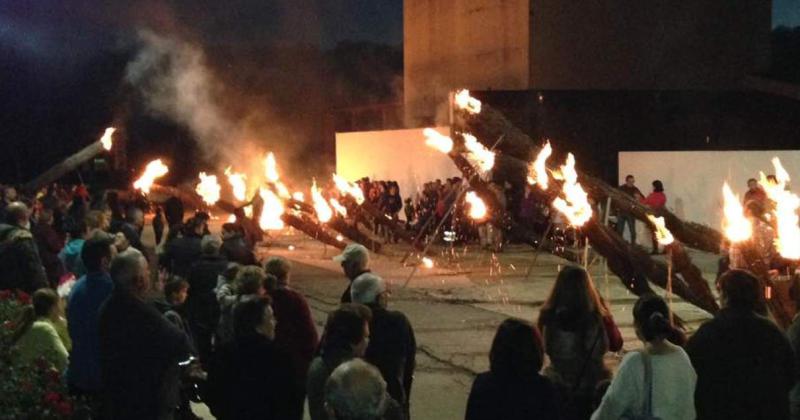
312, 229
779, 304
353, 233
188, 197
491, 124
71, 163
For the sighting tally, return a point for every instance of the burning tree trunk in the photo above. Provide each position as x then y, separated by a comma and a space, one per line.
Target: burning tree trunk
491, 124
312, 229
380, 218
190, 197
779, 304
353, 233
64, 167
682, 264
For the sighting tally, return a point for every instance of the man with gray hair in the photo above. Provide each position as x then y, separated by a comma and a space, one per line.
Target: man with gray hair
202, 307
354, 261
20, 263
139, 348
392, 346
356, 391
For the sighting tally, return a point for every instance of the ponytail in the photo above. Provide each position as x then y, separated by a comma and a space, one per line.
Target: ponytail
656, 326
651, 315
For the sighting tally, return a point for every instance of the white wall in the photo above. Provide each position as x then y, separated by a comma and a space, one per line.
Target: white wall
399, 155
693, 180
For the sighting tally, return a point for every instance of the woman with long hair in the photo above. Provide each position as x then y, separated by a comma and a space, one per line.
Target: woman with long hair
657, 382
513, 388
578, 330
37, 334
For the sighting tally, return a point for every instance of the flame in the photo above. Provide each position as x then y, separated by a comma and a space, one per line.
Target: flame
575, 204
427, 262
537, 172
270, 218
339, 237
438, 140
106, 140
338, 207
323, 210
208, 188
477, 208
271, 168
478, 153
232, 218
787, 241
347, 187
663, 235
736, 226
299, 196
464, 101
248, 212
154, 169
238, 182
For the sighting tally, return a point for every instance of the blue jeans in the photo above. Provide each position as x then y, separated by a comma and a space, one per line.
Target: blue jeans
622, 220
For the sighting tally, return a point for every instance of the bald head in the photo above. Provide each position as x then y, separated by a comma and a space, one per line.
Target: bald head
129, 272
18, 214
356, 391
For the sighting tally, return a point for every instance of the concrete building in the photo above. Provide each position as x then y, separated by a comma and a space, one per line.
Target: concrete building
587, 45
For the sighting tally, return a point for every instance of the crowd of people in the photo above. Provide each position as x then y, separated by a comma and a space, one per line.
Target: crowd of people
211, 322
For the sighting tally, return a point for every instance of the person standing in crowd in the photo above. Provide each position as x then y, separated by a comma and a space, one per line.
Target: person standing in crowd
345, 337
744, 363
173, 212
755, 192
158, 225
234, 247
656, 200
201, 305
354, 261
356, 391
132, 227
392, 347
140, 350
249, 284
250, 377
20, 264
9, 196
578, 331
296, 333
657, 382
83, 308
70, 255
623, 215
49, 243
36, 334
513, 389
173, 308
182, 252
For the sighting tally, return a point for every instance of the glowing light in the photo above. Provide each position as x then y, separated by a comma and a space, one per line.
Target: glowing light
346, 187
238, 183
575, 202
323, 210
232, 218
299, 196
339, 237
342, 210
787, 241
248, 211
271, 168
663, 235
153, 170
427, 262
736, 226
537, 172
106, 140
478, 153
438, 140
208, 188
477, 208
272, 211
464, 101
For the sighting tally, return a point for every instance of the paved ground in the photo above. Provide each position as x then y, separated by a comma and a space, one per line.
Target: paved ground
456, 306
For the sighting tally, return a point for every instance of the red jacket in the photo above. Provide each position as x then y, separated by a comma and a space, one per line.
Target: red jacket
295, 332
655, 200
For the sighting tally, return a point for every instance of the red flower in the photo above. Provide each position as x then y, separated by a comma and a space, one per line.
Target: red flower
52, 397
23, 297
64, 408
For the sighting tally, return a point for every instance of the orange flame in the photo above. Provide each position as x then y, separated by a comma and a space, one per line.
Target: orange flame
663, 235
299, 196
154, 169
338, 207
478, 153
238, 182
248, 211
271, 168
537, 172
270, 218
208, 188
464, 101
575, 204
347, 187
232, 218
437, 140
736, 226
477, 208
787, 241
106, 140
339, 237
323, 210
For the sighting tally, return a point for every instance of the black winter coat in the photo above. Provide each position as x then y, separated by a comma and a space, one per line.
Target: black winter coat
202, 307
392, 349
181, 253
20, 264
493, 398
235, 249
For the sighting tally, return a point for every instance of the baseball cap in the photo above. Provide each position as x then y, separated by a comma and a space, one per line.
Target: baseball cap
353, 252
366, 288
